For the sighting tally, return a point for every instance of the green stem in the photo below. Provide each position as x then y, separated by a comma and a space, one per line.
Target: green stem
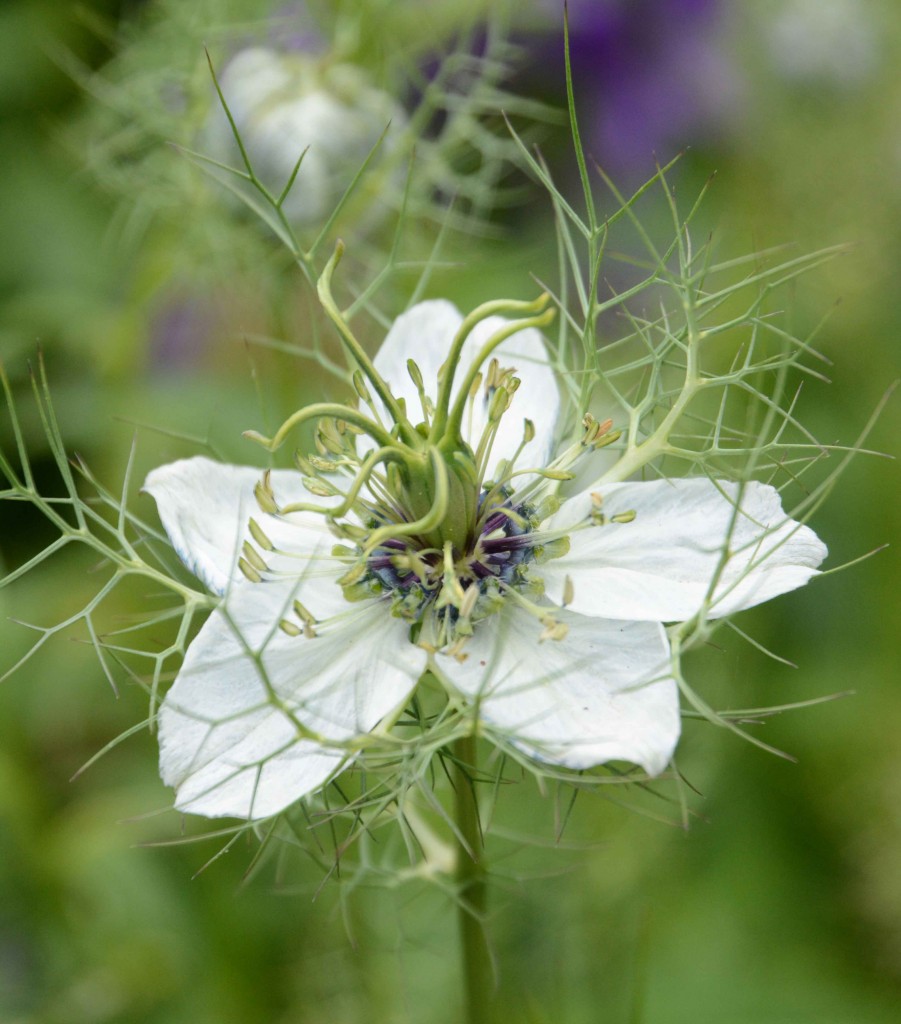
321, 410
472, 888
324, 290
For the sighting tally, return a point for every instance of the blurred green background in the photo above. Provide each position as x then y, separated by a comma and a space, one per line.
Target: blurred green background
782, 903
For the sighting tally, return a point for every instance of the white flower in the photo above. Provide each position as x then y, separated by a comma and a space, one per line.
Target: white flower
544, 618
284, 103
825, 41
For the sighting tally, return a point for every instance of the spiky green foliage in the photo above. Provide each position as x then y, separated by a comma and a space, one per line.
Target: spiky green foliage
714, 344
153, 100
692, 358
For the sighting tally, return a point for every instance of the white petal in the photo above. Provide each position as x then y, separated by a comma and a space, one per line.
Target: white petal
662, 565
229, 737
205, 507
603, 693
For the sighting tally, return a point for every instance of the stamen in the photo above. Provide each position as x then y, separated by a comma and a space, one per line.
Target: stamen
249, 572
257, 533
253, 557
416, 376
359, 384
320, 411
264, 494
307, 619
597, 435
326, 489
467, 605
553, 630
452, 593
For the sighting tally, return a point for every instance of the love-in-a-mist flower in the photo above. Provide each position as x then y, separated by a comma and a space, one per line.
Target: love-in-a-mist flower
426, 534
293, 103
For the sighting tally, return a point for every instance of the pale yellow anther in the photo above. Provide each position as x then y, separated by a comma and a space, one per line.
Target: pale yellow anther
264, 495
320, 490
303, 613
468, 604
597, 435
291, 628
553, 630
452, 592
623, 517
359, 383
605, 439
500, 402
329, 444
254, 557
353, 575
456, 651
347, 531
256, 531
415, 374
569, 591
248, 570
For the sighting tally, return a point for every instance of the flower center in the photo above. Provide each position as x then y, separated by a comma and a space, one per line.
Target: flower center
458, 582
425, 508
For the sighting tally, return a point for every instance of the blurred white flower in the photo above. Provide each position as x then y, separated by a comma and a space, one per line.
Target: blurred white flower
283, 103
544, 618
824, 40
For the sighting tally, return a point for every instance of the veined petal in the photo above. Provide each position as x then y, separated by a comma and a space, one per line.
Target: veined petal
662, 565
235, 727
205, 507
603, 693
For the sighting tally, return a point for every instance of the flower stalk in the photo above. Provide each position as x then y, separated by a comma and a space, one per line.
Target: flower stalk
472, 892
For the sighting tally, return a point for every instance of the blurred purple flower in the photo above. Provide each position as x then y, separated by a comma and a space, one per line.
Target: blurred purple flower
179, 331
650, 77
